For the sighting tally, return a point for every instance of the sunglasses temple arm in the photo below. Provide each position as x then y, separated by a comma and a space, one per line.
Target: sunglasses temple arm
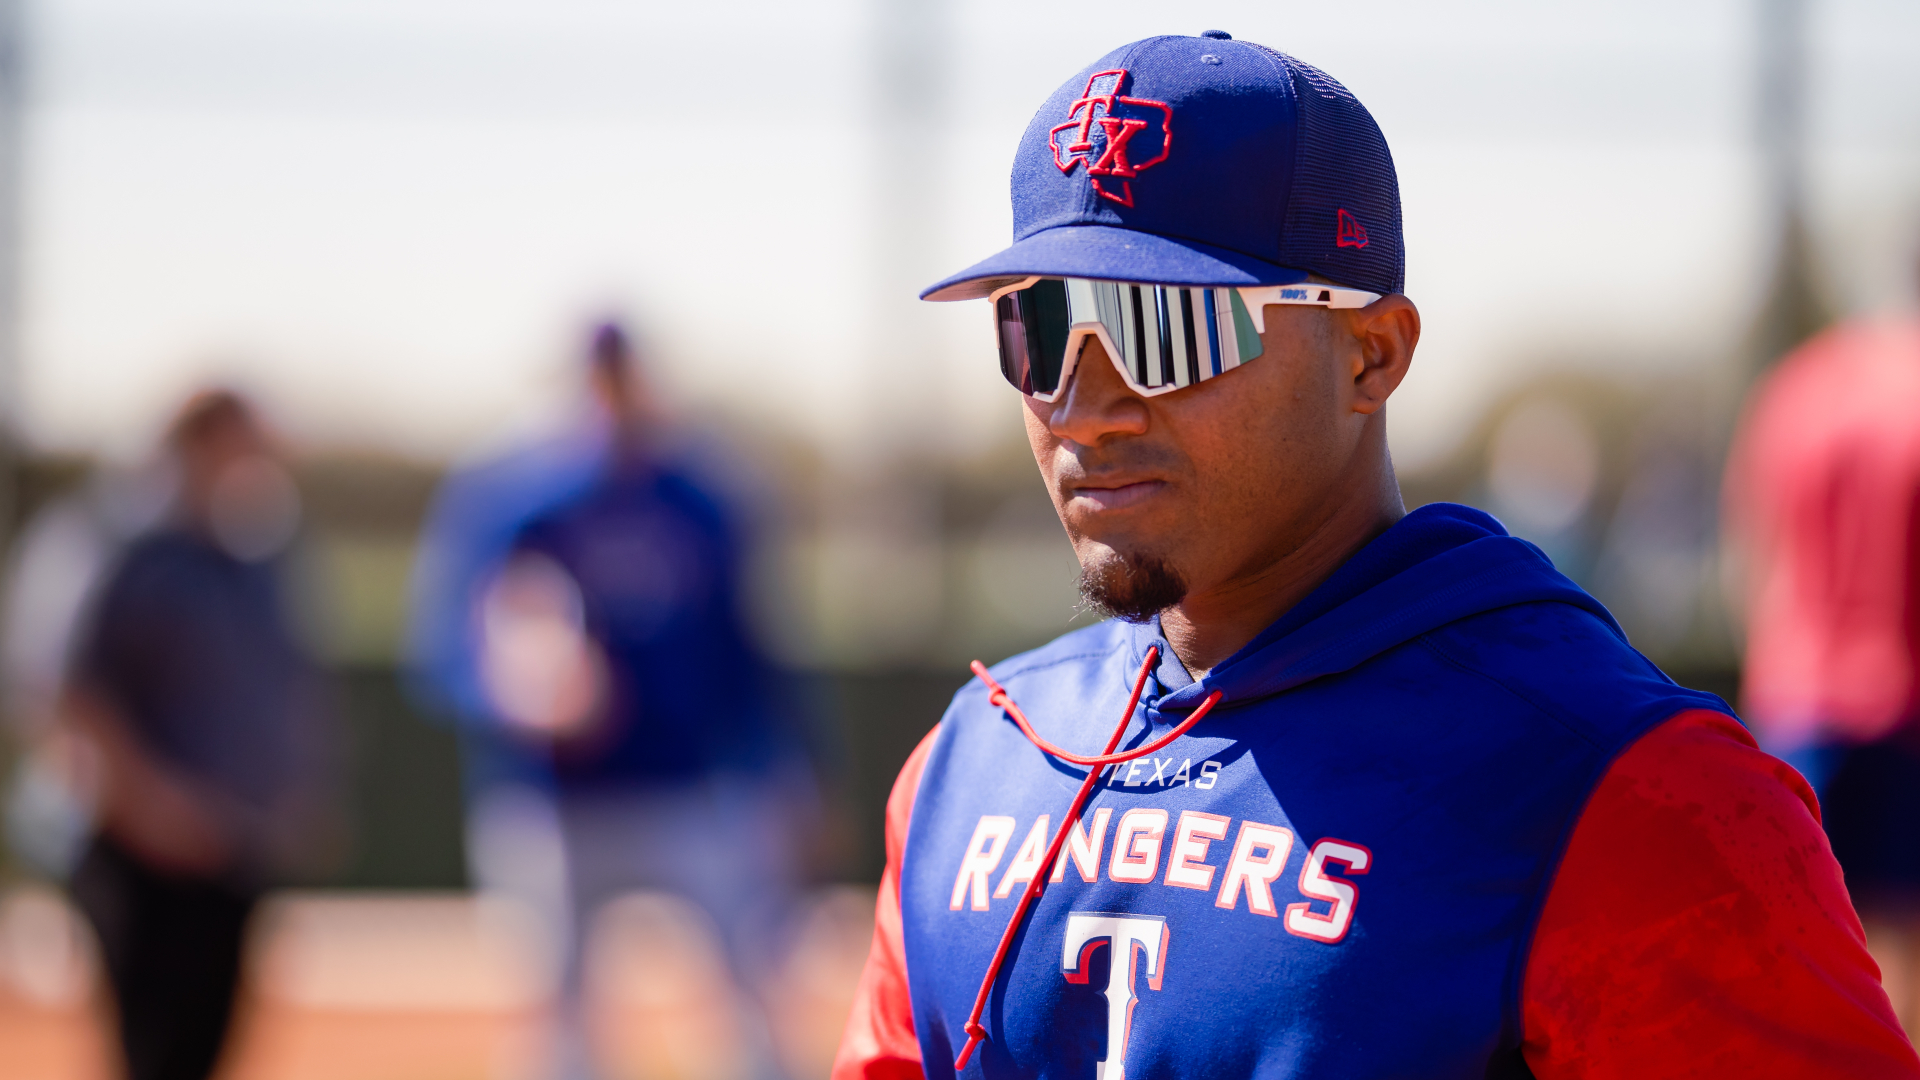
1257, 297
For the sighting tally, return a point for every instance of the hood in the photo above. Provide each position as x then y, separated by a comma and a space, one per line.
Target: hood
1439, 564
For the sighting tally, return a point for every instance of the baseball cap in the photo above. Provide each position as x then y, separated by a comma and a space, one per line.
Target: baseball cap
1199, 161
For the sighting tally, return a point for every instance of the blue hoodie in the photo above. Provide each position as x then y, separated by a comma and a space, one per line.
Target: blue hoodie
1338, 872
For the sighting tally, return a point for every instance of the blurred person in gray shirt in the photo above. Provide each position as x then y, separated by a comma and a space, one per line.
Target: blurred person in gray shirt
210, 724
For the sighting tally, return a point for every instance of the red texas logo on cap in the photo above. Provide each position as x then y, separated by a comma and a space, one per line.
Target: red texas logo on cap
1101, 135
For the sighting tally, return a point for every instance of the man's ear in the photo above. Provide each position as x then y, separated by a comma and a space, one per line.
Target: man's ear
1385, 332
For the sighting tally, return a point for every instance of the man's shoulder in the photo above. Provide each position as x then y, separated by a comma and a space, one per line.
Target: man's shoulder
1082, 655
1568, 664
1071, 689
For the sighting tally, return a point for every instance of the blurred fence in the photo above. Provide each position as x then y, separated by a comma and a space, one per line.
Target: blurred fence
404, 796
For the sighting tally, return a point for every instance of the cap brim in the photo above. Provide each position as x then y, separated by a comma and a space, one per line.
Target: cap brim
1111, 253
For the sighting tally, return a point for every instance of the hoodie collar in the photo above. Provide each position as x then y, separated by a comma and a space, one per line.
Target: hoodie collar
1441, 563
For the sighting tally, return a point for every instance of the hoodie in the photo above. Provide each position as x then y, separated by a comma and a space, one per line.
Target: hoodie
1443, 821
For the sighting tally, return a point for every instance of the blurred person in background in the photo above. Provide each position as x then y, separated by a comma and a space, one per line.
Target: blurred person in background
578, 608
1823, 505
54, 570
210, 727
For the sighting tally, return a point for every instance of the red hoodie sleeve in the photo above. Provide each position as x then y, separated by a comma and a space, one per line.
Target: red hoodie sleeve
879, 1043
1699, 927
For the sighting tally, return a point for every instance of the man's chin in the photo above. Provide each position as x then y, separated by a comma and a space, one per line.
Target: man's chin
1132, 586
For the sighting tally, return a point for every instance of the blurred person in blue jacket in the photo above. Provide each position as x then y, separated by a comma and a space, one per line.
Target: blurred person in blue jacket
211, 726
578, 610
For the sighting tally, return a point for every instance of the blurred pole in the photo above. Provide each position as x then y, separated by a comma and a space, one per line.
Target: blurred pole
12, 105
910, 77
1794, 305
883, 574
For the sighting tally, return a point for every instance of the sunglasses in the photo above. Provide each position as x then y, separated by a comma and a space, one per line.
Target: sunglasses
1161, 337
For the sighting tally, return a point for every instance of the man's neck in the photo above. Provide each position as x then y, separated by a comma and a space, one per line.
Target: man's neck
1207, 627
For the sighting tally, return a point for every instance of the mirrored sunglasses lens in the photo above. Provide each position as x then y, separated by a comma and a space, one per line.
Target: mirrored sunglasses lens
1013, 343
1166, 335
1033, 336
1204, 333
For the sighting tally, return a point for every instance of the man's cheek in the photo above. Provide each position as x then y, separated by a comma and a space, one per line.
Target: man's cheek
1075, 521
1034, 415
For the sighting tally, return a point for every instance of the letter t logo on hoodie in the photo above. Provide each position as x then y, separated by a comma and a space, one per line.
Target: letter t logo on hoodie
1128, 936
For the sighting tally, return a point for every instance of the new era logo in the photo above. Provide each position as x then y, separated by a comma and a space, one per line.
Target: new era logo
1351, 232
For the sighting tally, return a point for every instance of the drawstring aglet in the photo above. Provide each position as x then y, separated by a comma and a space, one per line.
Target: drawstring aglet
975, 1036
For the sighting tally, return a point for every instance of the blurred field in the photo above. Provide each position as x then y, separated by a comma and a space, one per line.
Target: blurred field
443, 986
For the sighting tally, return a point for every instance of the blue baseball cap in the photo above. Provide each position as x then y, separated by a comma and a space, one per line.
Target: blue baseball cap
1199, 161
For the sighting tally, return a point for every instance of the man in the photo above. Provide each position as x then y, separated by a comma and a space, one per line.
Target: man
1823, 494
1405, 801
579, 611
212, 726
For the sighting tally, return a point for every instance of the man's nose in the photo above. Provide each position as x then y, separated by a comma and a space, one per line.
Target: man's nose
1098, 403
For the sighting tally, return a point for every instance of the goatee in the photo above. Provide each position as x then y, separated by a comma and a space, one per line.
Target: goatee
1131, 587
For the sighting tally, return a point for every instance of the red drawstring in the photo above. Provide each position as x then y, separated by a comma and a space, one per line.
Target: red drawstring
997, 695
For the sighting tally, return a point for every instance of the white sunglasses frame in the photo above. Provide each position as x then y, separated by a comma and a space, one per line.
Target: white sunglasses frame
1256, 298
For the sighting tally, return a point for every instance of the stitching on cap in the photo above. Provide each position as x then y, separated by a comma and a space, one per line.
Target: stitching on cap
1324, 84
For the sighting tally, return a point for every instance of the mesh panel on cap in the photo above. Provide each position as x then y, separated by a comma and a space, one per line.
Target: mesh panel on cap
1341, 163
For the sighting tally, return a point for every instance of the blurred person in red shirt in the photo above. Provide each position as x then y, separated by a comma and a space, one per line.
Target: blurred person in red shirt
1823, 503
210, 723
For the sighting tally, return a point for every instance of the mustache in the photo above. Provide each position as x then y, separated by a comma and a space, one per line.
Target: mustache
1076, 466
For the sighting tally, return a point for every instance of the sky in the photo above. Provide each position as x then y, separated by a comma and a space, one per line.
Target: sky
391, 219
